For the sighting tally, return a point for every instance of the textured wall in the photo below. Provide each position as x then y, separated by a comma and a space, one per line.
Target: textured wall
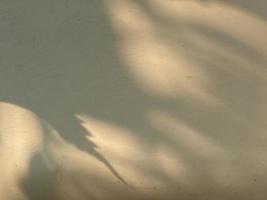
133, 99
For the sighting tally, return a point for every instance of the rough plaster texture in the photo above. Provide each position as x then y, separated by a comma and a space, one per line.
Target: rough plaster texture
133, 99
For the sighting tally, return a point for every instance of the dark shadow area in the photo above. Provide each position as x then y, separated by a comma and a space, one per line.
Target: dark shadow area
60, 59
41, 182
55, 63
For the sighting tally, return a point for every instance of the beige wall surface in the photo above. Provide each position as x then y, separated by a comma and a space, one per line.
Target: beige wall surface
133, 99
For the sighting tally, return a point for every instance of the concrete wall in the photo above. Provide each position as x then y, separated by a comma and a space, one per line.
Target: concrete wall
133, 99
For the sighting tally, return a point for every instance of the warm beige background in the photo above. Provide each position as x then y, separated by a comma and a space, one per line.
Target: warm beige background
133, 99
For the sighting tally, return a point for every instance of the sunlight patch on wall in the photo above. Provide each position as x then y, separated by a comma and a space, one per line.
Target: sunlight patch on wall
184, 135
242, 25
223, 167
173, 164
143, 168
154, 65
21, 138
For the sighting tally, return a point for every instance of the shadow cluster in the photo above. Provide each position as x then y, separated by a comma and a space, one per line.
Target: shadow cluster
60, 59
